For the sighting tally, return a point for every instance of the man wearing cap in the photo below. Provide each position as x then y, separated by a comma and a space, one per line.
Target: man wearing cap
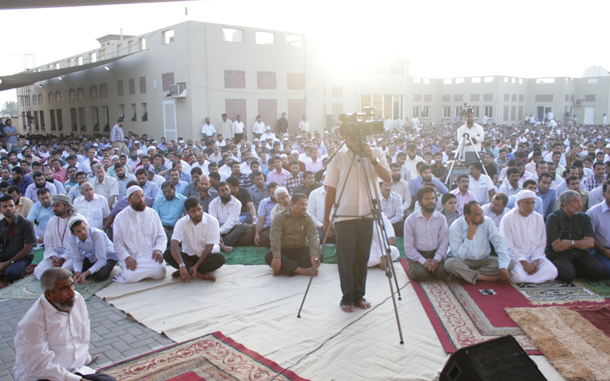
56, 236
91, 250
139, 240
117, 136
525, 235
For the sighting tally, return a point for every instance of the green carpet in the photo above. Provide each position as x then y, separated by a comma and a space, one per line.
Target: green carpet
600, 287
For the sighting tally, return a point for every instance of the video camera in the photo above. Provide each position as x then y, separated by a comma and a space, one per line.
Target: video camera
359, 125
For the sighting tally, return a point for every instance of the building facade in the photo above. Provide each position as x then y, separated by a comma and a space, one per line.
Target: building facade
165, 83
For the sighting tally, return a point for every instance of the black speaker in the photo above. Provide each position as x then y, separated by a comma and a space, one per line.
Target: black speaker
500, 359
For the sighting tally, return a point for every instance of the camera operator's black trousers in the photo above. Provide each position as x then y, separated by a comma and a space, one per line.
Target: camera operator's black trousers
354, 239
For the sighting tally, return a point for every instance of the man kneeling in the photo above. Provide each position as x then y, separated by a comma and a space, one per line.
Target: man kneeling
91, 250
199, 234
294, 240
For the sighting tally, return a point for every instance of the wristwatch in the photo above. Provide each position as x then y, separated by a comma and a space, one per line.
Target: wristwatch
572, 243
182, 265
12, 262
374, 162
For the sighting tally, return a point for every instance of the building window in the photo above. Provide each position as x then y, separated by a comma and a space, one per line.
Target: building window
427, 97
142, 85
130, 46
103, 90
119, 88
416, 97
144, 112
591, 81
488, 97
142, 43
459, 80
52, 117
590, 98
475, 80
416, 80
489, 111
513, 97
93, 92
234, 79
458, 98
266, 80
488, 79
294, 40
446, 112
119, 47
474, 97
296, 81
232, 35
73, 120
132, 86
447, 81
92, 57
102, 54
416, 111
60, 119
51, 97
167, 79
168, 36
425, 112
265, 38
475, 109
520, 97
426, 81
458, 110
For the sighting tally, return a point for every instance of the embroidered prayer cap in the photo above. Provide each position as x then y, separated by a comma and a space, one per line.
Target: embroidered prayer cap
74, 219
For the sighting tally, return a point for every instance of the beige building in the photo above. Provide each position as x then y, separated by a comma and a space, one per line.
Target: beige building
165, 83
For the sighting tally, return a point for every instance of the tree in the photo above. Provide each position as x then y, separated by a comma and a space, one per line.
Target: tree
9, 108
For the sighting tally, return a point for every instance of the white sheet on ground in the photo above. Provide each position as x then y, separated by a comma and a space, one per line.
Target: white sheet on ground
259, 310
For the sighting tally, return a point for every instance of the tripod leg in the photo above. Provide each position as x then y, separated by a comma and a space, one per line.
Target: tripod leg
402, 341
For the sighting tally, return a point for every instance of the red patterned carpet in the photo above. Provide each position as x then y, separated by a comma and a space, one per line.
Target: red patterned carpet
210, 357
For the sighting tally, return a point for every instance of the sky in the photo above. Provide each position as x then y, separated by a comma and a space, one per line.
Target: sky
537, 38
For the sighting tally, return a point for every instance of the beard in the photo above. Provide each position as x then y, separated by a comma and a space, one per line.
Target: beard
428, 208
65, 306
395, 178
225, 199
139, 207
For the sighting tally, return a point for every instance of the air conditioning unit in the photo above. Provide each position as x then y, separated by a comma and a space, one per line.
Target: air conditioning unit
579, 102
178, 90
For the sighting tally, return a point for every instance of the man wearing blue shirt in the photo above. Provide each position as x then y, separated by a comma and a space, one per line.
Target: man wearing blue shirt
41, 213
470, 237
425, 176
10, 132
169, 207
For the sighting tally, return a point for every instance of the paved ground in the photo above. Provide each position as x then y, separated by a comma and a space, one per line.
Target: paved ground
114, 335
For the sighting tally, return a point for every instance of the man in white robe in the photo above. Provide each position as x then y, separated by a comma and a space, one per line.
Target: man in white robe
377, 247
139, 240
524, 232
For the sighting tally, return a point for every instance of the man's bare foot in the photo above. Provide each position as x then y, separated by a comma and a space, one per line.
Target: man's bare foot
276, 273
347, 308
363, 304
207, 276
176, 274
489, 278
94, 359
228, 249
382, 264
302, 271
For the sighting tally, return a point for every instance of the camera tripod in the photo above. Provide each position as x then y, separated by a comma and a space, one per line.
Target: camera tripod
461, 157
378, 228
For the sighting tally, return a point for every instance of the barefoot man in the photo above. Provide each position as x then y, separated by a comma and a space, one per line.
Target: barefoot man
199, 235
294, 240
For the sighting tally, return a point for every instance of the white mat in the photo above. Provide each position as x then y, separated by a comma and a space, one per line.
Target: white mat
259, 310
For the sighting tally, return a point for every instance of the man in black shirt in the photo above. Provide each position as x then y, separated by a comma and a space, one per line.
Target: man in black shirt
17, 236
569, 234
248, 213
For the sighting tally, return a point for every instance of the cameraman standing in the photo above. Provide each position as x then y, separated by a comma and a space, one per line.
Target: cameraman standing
353, 224
475, 131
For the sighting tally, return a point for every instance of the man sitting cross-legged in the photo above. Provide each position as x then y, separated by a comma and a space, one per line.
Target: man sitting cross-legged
294, 240
139, 240
470, 237
199, 235
525, 235
91, 250
426, 239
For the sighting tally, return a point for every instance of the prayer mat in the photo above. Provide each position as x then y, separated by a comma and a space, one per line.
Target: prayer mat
462, 314
210, 357
28, 270
574, 346
557, 292
29, 288
600, 287
254, 255
598, 315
